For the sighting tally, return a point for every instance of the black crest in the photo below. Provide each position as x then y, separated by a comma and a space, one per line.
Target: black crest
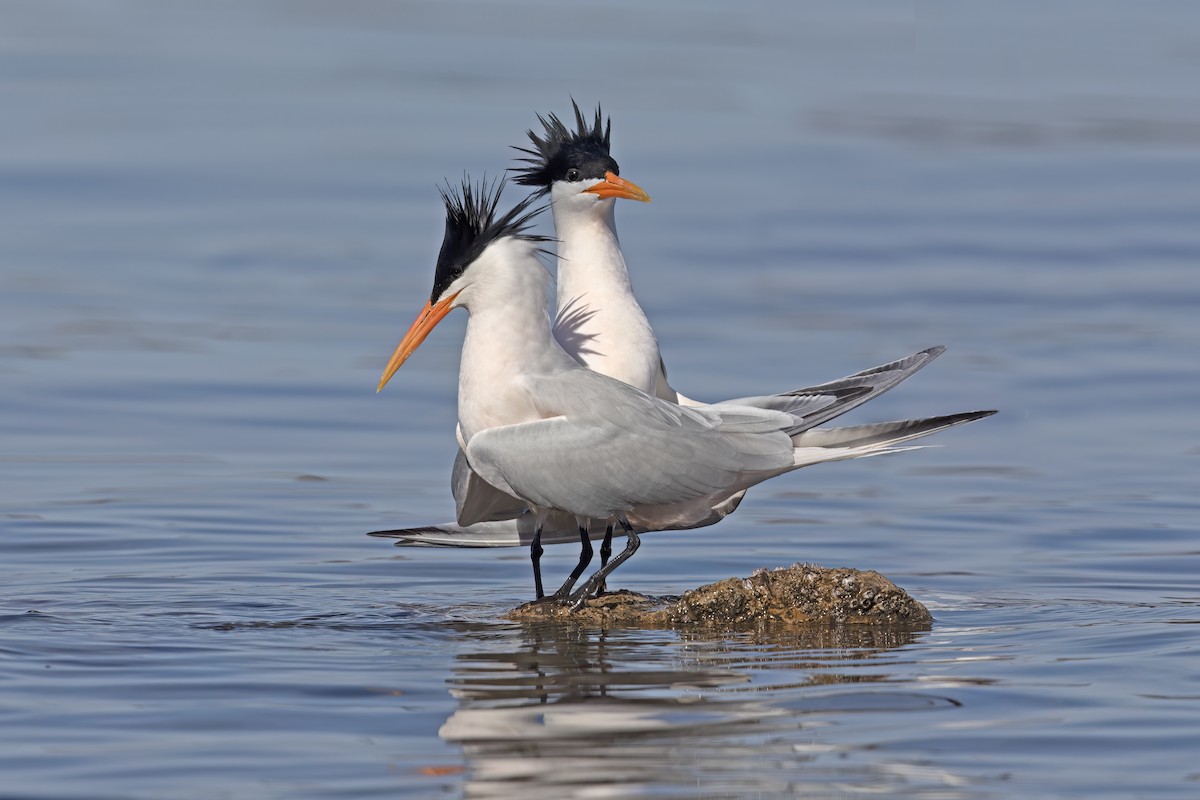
561, 150
471, 225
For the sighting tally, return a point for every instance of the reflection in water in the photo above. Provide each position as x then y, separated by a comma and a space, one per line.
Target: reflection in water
557, 711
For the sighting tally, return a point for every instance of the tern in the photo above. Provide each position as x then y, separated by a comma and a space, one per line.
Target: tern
541, 429
602, 325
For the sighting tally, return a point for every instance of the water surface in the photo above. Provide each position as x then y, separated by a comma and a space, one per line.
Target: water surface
220, 219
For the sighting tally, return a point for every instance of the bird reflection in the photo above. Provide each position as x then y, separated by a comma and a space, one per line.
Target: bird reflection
559, 710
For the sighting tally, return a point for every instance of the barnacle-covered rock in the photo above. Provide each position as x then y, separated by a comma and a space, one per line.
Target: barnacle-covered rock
802, 594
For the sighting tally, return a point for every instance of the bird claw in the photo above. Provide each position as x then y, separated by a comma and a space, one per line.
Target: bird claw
578, 599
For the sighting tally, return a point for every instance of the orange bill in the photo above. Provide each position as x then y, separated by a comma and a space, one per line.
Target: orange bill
614, 185
426, 321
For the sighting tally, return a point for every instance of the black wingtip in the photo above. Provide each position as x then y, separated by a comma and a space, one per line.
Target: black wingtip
403, 533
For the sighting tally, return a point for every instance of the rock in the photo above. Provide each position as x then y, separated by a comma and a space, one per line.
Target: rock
802, 594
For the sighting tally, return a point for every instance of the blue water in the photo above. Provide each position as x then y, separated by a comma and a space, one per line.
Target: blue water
219, 218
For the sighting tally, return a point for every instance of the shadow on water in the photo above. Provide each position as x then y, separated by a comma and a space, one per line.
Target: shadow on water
555, 710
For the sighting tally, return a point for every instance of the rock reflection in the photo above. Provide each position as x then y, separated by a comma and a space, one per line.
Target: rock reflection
557, 710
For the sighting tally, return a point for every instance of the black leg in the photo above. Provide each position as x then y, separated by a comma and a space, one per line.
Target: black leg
585, 558
535, 555
605, 553
632, 542
606, 545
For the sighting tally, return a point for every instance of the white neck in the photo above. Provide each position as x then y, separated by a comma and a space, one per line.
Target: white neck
599, 320
508, 335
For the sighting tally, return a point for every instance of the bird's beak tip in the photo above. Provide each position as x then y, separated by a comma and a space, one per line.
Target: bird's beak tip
429, 317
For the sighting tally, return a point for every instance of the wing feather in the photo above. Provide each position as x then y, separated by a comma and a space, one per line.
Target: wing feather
476, 500
610, 447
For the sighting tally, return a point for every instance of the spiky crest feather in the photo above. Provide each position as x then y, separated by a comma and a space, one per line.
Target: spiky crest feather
586, 148
471, 225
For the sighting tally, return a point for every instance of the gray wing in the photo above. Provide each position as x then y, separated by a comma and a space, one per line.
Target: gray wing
517, 532
612, 447
476, 500
814, 405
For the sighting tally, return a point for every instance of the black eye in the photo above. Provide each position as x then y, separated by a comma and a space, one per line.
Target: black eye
573, 175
